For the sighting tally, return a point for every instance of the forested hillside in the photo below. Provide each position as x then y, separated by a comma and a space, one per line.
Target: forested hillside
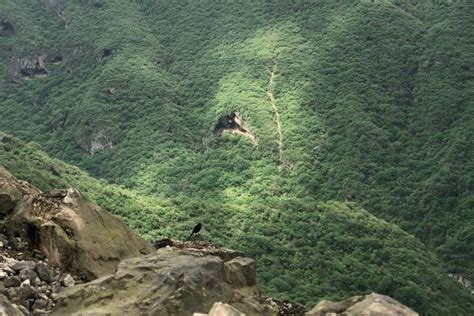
275, 123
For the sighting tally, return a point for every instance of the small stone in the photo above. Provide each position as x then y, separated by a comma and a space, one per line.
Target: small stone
12, 292
56, 288
23, 309
39, 312
20, 265
44, 272
43, 296
67, 280
39, 304
38, 254
2, 274
26, 292
8, 270
20, 245
26, 283
29, 274
12, 281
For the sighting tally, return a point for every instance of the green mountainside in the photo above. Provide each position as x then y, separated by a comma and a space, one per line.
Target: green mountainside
275, 123
343, 250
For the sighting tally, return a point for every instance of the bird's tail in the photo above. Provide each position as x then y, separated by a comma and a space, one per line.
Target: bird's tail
189, 238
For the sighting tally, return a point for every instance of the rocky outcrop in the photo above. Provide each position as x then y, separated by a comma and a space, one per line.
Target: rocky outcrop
463, 280
372, 304
75, 235
96, 141
233, 123
170, 281
11, 191
282, 308
29, 67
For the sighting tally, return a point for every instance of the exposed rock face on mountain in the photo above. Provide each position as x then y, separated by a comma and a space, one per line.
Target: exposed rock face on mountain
233, 123
75, 235
97, 141
169, 282
372, 304
28, 67
463, 280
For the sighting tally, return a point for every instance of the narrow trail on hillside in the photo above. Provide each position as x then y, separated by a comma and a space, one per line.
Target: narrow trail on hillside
271, 83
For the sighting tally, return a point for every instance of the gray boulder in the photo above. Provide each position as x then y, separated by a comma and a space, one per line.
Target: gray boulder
168, 282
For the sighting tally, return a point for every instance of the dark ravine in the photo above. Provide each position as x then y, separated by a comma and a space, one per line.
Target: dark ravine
51, 243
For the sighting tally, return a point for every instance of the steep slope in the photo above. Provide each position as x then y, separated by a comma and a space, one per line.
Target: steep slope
306, 250
369, 103
373, 103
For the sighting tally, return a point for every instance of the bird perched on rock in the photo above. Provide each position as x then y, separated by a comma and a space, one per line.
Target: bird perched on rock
196, 230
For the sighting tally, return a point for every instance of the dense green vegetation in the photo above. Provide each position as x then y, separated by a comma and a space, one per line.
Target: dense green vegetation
306, 250
375, 106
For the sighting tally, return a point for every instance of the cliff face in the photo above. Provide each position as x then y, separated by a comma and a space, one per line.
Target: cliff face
53, 242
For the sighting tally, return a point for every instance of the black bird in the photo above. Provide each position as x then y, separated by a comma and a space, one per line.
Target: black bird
196, 230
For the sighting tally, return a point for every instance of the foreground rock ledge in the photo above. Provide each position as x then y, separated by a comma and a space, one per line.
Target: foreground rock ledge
170, 281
